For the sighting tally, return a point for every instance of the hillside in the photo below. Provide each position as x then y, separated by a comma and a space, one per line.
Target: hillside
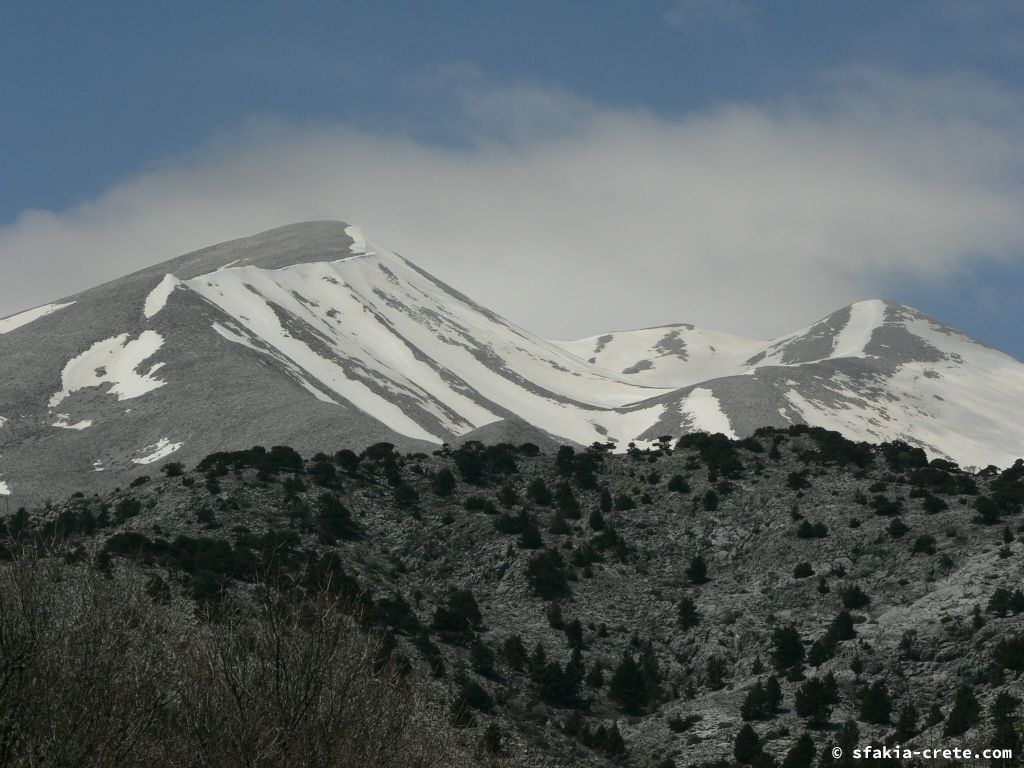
590, 608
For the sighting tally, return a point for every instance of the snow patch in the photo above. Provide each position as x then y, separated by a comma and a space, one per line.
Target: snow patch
113, 361
161, 448
705, 410
4, 489
157, 298
8, 324
378, 334
97, 466
232, 336
62, 422
865, 318
708, 355
358, 240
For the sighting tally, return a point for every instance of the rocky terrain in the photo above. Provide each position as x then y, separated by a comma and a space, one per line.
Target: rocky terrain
311, 335
705, 600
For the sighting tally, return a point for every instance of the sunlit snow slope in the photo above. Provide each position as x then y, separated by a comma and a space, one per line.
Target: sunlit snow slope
875, 371
312, 336
373, 331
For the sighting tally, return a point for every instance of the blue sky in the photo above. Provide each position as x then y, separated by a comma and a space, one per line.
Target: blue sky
106, 102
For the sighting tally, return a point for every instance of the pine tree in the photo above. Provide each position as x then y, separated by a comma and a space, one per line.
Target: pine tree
842, 627
459, 618
627, 686
538, 661
614, 744
574, 634
444, 482
897, 528
789, 648
405, 495
821, 651
854, 597
801, 754
688, 615
848, 736
1005, 733
697, 573
530, 538
567, 503
815, 699
678, 484
753, 707
965, 713
492, 739
539, 493
715, 672
559, 686
977, 620
565, 460
802, 570
875, 706
513, 650
908, 646
507, 496
857, 666
747, 746
651, 672
481, 658
624, 502
545, 573
847, 739
999, 603
334, 518
988, 511
762, 700
558, 525
906, 723
773, 692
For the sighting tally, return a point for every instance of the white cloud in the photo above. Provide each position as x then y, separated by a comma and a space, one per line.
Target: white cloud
572, 219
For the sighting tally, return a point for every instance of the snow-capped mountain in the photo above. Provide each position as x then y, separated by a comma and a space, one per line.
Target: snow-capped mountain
875, 371
309, 335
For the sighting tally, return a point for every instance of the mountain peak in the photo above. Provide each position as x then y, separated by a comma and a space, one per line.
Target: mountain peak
312, 335
298, 243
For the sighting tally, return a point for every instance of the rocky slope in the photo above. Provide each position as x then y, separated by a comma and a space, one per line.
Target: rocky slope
309, 335
593, 608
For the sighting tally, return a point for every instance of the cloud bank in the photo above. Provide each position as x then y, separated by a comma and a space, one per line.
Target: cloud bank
571, 219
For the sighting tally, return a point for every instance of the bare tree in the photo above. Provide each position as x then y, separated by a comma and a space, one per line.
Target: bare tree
93, 672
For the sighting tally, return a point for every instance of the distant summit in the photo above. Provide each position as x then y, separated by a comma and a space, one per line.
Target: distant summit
312, 335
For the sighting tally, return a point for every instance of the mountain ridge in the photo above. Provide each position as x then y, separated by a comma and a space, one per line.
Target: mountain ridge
312, 335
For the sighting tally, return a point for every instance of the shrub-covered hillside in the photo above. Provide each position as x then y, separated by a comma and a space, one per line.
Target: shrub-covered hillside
756, 602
